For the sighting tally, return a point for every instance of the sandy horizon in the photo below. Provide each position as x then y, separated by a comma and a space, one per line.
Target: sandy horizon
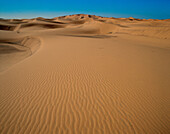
84, 74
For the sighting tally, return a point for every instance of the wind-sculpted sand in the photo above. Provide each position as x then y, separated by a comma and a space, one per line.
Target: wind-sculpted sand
15, 50
84, 74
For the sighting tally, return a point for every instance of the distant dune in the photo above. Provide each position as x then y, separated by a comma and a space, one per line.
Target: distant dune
84, 74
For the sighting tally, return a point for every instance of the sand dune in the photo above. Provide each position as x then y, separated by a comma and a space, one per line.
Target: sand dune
84, 74
7, 27
15, 50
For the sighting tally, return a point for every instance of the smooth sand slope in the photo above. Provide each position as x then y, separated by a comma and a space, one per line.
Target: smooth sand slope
84, 74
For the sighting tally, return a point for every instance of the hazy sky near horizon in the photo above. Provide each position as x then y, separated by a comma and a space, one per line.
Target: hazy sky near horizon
156, 9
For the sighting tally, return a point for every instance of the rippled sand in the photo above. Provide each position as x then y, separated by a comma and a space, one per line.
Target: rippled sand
84, 74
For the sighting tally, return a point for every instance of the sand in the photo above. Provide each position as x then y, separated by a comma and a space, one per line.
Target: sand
84, 74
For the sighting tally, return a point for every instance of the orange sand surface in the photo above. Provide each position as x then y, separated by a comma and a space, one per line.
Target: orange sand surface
84, 74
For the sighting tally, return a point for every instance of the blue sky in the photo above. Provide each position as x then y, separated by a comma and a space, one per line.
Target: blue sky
156, 9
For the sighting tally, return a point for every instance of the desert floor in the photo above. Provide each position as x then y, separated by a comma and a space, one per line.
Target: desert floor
84, 74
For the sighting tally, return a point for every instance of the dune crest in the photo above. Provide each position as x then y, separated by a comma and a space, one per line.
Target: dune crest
13, 51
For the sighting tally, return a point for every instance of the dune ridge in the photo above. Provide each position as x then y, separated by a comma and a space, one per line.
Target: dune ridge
95, 24
13, 51
85, 74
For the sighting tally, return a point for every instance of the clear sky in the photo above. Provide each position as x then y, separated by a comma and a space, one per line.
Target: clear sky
156, 9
